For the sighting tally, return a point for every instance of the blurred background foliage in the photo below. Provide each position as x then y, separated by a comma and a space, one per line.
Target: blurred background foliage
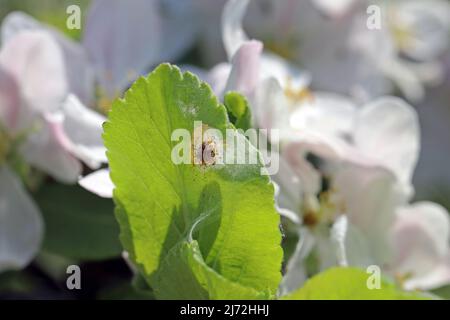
49, 11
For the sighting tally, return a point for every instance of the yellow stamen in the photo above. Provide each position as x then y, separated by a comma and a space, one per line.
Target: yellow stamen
401, 33
104, 101
311, 209
310, 219
324, 210
297, 94
401, 278
104, 104
282, 49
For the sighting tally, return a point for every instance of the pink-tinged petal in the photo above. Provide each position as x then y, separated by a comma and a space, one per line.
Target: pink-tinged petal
233, 34
83, 127
99, 183
387, 130
79, 73
420, 238
9, 102
47, 148
245, 68
36, 62
437, 277
21, 225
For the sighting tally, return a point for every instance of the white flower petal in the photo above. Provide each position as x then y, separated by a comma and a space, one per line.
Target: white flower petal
269, 109
47, 148
369, 198
288, 192
295, 156
420, 238
99, 183
405, 79
358, 248
218, 77
21, 225
426, 27
16, 22
83, 127
326, 250
338, 235
387, 130
285, 72
326, 113
232, 33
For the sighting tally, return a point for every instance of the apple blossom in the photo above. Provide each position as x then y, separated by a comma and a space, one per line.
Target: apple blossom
332, 45
420, 238
45, 126
114, 54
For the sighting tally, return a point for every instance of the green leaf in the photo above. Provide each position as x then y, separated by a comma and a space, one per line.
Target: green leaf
184, 265
238, 110
349, 284
443, 292
212, 224
78, 224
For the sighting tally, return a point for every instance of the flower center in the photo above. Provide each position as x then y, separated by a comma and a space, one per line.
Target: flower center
104, 100
402, 36
297, 95
401, 33
322, 210
401, 278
